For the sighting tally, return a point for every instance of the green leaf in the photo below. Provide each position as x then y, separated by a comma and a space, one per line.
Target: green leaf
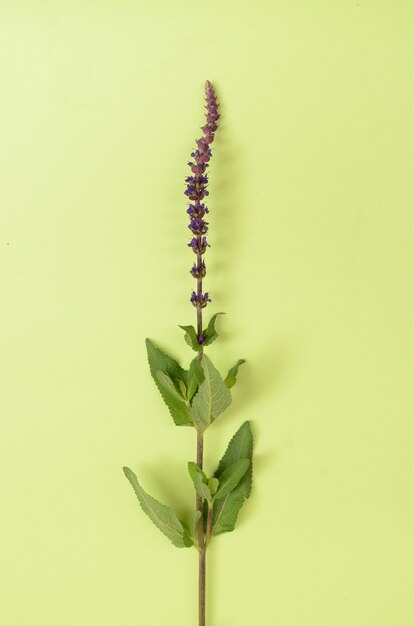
195, 518
187, 536
163, 517
211, 398
195, 377
191, 338
167, 385
200, 480
178, 407
213, 483
183, 389
226, 510
193, 469
160, 362
201, 488
231, 477
231, 377
210, 333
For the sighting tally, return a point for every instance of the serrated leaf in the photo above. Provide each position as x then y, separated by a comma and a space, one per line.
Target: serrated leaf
191, 338
193, 469
231, 377
168, 386
212, 397
161, 515
226, 510
187, 536
213, 483
183, 389
195, 377
231, 477
158, 360
177, 406
161, 362
240, 447
210, 333
201, 488
200, 480
195, 518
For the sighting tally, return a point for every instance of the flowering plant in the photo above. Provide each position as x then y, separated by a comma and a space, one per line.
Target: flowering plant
197, 396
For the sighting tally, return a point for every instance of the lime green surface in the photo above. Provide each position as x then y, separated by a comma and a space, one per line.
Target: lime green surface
312, 234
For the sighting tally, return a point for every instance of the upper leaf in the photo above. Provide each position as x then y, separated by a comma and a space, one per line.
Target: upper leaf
158, 360
163, 370
191, 338
173, 398
231, 476
167, 385
211, 398
226, 510
231, 377
195, 377
163, 517
210, 333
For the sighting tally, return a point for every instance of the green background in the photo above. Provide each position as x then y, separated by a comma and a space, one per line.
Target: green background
311, 224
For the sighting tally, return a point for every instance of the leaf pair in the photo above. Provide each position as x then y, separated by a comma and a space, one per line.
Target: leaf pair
226, 493
209, 334
195, 397
212, 489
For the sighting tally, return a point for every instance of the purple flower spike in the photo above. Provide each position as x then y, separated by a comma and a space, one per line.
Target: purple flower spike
196, 191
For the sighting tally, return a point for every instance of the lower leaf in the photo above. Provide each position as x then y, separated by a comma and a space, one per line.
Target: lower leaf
161, 515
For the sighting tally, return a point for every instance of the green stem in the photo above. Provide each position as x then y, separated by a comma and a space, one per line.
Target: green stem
199, 503
201, 543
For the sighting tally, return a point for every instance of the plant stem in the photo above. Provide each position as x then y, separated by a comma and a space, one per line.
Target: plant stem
199, 503
201, 544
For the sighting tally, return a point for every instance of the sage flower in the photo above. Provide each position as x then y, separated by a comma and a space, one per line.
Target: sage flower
196, 191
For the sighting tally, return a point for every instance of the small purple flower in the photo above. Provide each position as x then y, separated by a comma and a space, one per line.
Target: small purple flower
200, 300
198, 271
198, 245
198, 226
